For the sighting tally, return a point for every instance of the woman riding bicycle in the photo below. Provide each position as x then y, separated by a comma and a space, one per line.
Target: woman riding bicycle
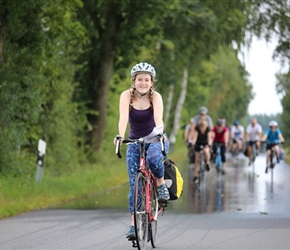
142, 107
221, 137
202, 140
272, 137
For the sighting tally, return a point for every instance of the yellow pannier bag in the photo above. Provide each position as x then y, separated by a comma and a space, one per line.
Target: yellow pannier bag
173, 179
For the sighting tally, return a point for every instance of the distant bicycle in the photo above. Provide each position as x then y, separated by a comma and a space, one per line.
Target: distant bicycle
235, 152
273, 161
201, 166
202, 163
191, 153
218, 158
253, 155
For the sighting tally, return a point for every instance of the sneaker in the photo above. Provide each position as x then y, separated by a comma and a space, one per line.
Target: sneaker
131, 234
195, 179
278, 160
163, 194
223, 172
207, 168
266, 170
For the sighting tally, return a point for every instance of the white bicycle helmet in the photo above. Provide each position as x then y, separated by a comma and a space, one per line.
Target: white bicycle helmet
143, 68
203, 110
273, 124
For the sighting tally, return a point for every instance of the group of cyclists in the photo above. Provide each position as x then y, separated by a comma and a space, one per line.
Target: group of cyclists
201, 134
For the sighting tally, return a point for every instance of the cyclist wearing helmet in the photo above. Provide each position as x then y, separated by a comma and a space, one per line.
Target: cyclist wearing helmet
272, 137
253, 135
202, 137
202, 115
142, 107
237, 136
221, 136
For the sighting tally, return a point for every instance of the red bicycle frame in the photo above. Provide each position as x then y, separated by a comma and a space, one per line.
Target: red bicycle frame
148, 175
145, 171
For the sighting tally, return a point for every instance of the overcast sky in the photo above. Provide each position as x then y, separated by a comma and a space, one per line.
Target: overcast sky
262, 68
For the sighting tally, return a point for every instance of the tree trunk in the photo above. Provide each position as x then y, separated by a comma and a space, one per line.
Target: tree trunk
102, 74
181, 99
3, 19
168, 105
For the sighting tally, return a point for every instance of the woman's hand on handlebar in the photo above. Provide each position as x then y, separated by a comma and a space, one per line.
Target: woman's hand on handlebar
118, 138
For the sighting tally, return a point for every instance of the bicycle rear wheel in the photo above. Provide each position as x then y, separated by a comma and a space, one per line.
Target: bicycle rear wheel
272, 165
218, 160
153, 216
201, 170
141, 221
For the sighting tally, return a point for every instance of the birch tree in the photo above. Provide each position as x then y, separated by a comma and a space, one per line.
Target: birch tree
178, 109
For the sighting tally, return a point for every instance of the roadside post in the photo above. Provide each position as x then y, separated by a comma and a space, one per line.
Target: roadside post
40, 159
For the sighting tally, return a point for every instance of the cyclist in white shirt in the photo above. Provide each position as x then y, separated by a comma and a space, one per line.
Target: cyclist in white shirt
253, 136
237, 136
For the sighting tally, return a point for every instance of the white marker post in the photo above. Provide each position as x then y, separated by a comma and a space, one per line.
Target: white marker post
40, 159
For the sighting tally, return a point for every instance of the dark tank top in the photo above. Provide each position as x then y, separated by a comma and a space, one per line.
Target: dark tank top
141, 122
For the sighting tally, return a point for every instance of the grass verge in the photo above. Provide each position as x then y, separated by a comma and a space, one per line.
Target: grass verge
18, 195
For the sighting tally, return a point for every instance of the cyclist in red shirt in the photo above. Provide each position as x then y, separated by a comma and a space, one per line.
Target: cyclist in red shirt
221, 136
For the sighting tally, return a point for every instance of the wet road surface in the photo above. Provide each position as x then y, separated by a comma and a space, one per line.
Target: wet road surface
243, 188
242, 210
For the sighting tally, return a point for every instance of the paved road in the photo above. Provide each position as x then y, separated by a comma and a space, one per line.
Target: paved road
243, 210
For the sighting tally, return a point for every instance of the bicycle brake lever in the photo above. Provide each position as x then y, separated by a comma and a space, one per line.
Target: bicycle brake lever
161, 136
118, 146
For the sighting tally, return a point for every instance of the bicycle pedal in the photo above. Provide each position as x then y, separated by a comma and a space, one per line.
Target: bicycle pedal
132, 238
163, 203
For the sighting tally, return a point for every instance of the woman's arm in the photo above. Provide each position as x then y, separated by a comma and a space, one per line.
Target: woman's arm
158, 110
194, 136
191, 131
281, 137
227, 138
209, 138
124, 112
264, 137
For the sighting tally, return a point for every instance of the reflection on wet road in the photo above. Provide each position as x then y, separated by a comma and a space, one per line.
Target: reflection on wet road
243, 188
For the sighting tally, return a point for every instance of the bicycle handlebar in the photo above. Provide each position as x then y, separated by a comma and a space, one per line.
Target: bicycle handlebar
280, 142
140, 140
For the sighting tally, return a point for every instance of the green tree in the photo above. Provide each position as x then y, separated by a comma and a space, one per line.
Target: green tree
39, 43
117, 30
230, 89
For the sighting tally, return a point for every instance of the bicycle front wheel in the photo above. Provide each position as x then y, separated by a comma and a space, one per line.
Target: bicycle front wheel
141, 221
218, 163
153, 216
